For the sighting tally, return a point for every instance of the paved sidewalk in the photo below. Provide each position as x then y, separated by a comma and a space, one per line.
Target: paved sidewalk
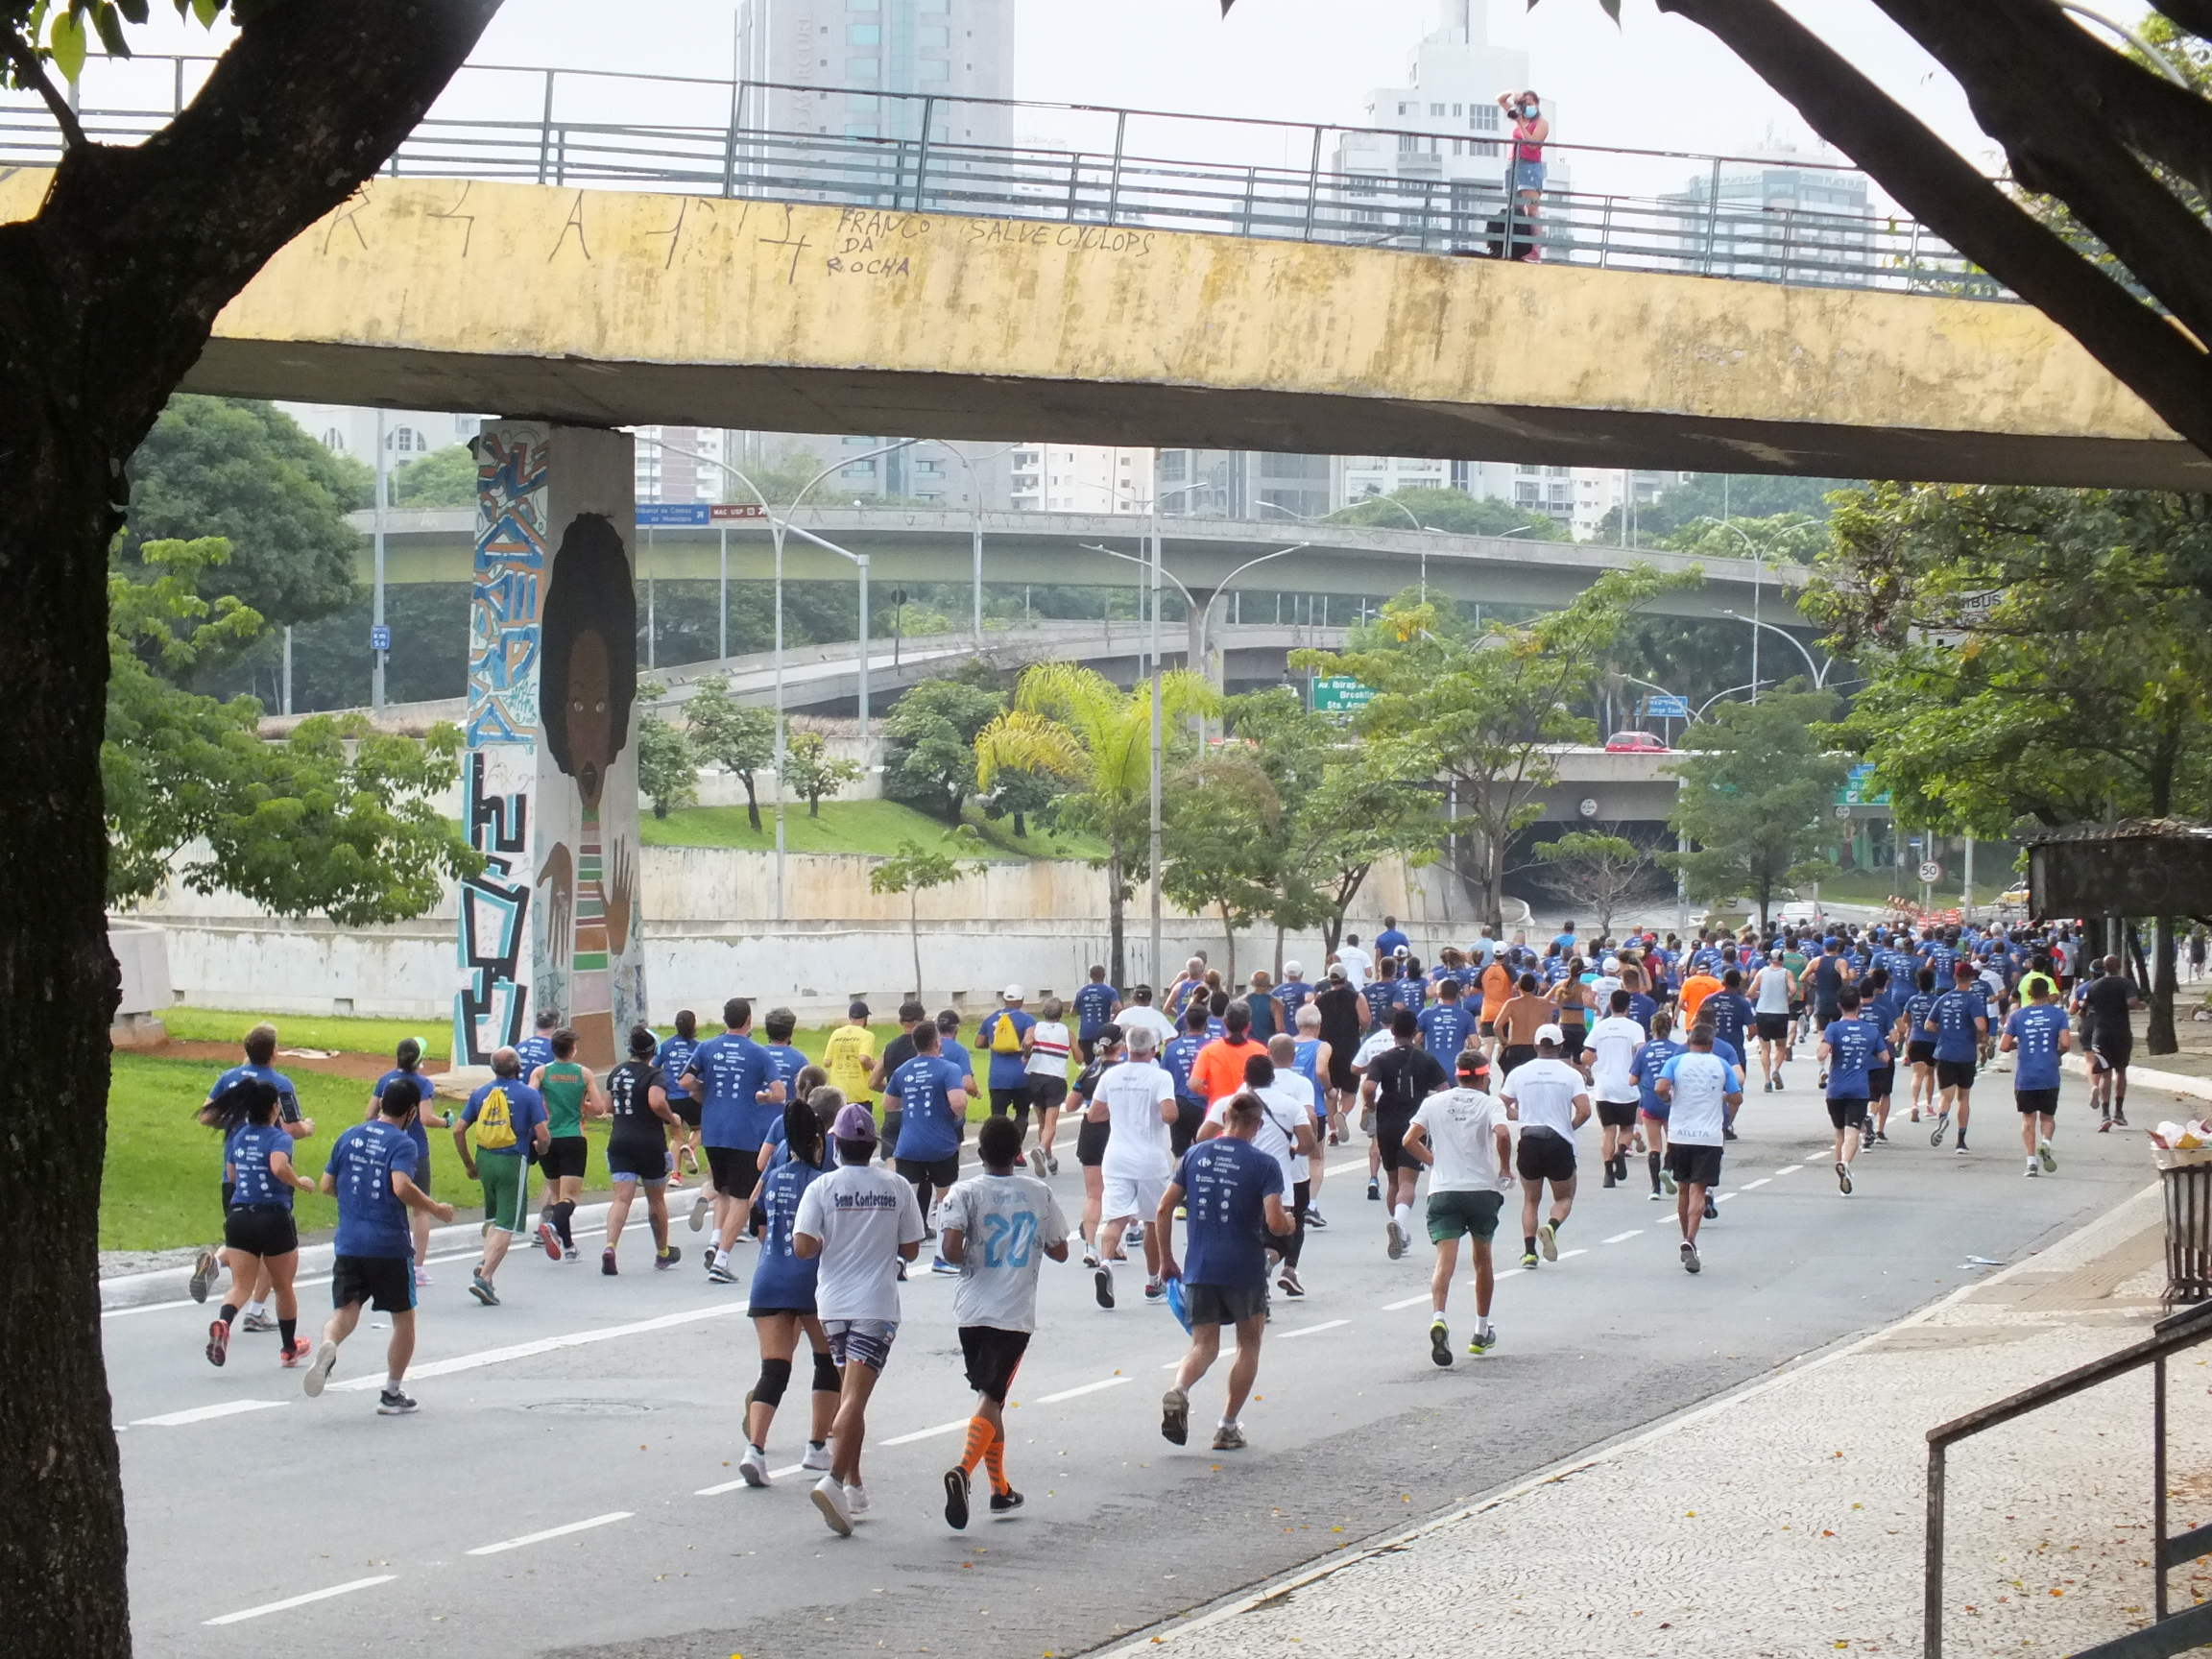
1787, 1518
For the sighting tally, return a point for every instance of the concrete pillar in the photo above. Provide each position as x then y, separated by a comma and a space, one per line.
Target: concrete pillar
551, 800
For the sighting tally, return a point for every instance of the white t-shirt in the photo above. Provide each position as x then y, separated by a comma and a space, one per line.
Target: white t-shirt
1461, 1127
1613, 1042
1544, 1091
1139, 1017
1379, 1041
1006, 1221
1281, 1111
1699, 1113
1138, 1142
1358, 966
1049, 1044
862, 1214
1601, 990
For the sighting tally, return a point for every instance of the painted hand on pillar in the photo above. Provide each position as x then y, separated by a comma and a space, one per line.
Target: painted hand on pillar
621, 896
560, 869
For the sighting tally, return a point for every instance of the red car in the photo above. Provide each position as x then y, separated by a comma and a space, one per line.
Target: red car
1636, 743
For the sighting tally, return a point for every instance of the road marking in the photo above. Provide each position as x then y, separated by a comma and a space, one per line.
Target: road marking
1340, 1169
551, 1532
1760, 1182
717, 1491
302, 1600
1393, 1306
201, 1414
926, 1433
1790, 1169
1569, 1255
1308, 1329
544, 1345
1087, 1388
1618, 1237
1724, 1197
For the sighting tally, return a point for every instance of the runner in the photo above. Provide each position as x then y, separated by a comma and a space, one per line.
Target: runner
1096, 1005
1956, 1023
509, 1117
1294, 993
1137, 1101
782, 1297
1140, 1012
1878, 1008
370, 1173
1178, 1058
1849, 1049
537, 1048
1343, 1017
259, 1236
1497, 988
1525, 1013
858, 1224
406, 1059
1546, 1097
638, 1154
1267, 1014
260, 1046
1049, 1046
1218, 1070
1398, 1080
732, 1078
1730, 1014
896, 1053
928, 1093
1298, 1096
849, 1057
1090, 1136
2040, 1034
1005, 1033
1700, 984
1309, 1059
1446, 1026
1614, 1042
1919, 1047
673, 1056
1651, 1108
2106, 1003
1232, 1189
1771, 988
1698, 1087
1459, 1134
997, 1228
570, 1093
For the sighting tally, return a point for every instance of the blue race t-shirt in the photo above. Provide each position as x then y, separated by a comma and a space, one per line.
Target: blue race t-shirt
1177, 1056
287, 1096
1854, 1046
785, 1063
1387, 942
371, 1220
957, 1055
735, 1070
930, 1128
1294, 995
1381, 997
1007, 1070
1640, 1008
1306, 1061
1225, 1185
1412, 992
1731, 1016
526, 1110
1953, 1018
1094, 1008
1444, 1030
534, 1051
425, 1093
246, 1151
672, 1056
780, 1280
1651, 1061
2035, 1030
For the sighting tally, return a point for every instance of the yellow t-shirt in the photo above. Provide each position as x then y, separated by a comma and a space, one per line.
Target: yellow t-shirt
844, 1056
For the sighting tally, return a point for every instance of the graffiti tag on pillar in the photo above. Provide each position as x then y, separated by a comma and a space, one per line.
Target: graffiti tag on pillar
494, 912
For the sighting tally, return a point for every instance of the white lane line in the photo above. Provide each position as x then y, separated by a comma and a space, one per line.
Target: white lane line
1087, 1388
201, 1414
1632, 1233
926, 1433
302, 1600
1308, 1329
544, 1345
1788, 1168
1724, 1197
1393, 1306
506, 1543
1760, 1182
1569, 1255
717, 1491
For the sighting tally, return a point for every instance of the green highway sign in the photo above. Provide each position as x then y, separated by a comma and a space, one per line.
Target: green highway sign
1340, 694
1859, 788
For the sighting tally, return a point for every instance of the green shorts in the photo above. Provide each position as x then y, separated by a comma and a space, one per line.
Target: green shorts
1451, 1214
506, 1180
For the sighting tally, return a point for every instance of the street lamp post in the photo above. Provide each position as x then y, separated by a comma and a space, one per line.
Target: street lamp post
383, 491
1819, 671
1758, 581
976, 508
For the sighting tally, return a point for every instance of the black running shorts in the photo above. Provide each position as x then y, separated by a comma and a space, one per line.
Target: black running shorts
2044, 1101
1954, 1073
1773, 1027
736, 1169
260, 1230
1693, 1166
1091, 1143
566, 1155
1616, 1113
993, 1358
386, 1283
1544, 1155
1847, 1111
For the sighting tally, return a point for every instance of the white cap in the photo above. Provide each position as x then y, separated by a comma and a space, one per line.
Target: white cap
1337, 971
1012, 994
1293, 969
1612, 964
1548, 1034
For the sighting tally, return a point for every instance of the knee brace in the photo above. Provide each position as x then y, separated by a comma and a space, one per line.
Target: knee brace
826, 1378
775, 1378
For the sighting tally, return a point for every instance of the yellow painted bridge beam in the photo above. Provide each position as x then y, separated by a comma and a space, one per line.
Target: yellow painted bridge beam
614, 307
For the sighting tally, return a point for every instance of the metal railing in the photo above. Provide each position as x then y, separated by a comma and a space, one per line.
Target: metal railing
1114, 174
2169, 1632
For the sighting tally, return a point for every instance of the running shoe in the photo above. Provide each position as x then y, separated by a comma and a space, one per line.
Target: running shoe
393, 1403
901, 1269
956, 1499
1712, 1208
421, 1277
2048, 1158
1314, 1217
1843, 1177
1396, 1245
1229, 1438
218, 1342
1288, 1281
1484, 1339
1961, 1146
718, 1271
1528, 1260
204, 1271
480, 1287
2034, 1169
817, 1458
829, 1499
1728, 1132
1155, 1289
700, 1206
668, 1258
1052, 1165
1609, 1181
299, 1350
943, 1269
550, 1240
1175, 1417
1548, 1241
1036, 1159
1690, 1261
257, 1323
1374, 1192
2106, 1128
1656, 1195
607, 1262
319, 1373
855, 1500
569, 1253
1102, 1284
1440, 1341
1942, 1129
752, 1467
1666, 1179
2121, 1118
1002, 1501
1090, 1258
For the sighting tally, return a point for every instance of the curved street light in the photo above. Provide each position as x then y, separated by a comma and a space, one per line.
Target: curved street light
1820, 673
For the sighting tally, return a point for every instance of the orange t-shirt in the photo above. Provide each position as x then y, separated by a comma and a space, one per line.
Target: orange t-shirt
1695, 990
1218, 1070
1496, 987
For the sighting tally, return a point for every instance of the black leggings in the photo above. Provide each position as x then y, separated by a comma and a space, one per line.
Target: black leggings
1301, 1195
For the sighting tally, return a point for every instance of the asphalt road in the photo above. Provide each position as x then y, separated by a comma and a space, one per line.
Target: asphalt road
588, 1427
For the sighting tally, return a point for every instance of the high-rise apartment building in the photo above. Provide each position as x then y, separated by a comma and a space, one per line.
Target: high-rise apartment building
866, 70
1245, 484
679, 464
1774, 217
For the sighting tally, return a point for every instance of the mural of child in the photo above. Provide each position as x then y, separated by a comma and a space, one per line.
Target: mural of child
589, 679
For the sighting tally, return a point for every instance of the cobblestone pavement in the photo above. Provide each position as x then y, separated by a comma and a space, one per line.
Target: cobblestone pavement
1787, 1518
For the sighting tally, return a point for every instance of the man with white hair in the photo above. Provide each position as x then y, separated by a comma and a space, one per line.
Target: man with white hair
1294, 993
1137, 1101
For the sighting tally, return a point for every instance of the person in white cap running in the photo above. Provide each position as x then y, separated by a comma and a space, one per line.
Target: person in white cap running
1006, 1035
1550, 1100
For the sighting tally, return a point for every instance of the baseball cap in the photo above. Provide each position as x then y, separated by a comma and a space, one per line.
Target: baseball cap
1612, 964
853, 1123
1293, 969
1547, 1034
1012, 994
858, 1011
1337, 971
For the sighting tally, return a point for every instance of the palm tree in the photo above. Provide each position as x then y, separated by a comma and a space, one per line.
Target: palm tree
1078, 726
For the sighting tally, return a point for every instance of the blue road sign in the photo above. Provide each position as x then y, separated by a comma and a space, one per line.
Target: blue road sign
380, 637
667, 513
1660, 708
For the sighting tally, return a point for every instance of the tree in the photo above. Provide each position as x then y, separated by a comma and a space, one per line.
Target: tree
1453, 510
809, 771
1782, 539
111, 289
667, 766
913, 871
1757, 786
740, 740
929, 743
244, 470
442, 478
1078, 726
1599, 871
1221, 843
1483, 715
1729, 496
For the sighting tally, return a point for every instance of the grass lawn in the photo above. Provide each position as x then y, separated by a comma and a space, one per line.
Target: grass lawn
312, 1030
872, 827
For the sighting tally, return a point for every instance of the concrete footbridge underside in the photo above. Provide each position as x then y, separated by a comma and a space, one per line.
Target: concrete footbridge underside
619, 307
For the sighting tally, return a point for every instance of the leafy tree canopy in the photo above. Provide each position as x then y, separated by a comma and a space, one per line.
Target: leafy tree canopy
929, 750
1797, 537
667, 766
1453, 510
739, 739
1757, 786
442, 478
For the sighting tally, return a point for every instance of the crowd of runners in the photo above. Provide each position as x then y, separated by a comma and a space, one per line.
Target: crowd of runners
1205, 1106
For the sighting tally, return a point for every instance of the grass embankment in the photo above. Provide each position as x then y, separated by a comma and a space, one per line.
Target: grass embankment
870, 828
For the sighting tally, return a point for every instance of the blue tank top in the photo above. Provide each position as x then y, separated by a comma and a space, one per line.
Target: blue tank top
1305, 1063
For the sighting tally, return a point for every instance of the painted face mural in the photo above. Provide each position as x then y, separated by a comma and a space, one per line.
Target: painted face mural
585, 712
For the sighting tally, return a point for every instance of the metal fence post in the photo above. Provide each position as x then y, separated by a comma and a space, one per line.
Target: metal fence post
1074, 182
1605, 237
1932, 1607
546, 128
177, 92
1114, 188
1314, 186
1711, 215
921, 154
730, 146
2158, 1486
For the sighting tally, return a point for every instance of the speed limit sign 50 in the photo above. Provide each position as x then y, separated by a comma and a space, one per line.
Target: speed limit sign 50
1930, 870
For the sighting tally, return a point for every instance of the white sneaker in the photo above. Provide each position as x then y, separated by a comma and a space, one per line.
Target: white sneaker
830, 1498
752, 1467
856, 1501
422, 1276
319, 1373
817, 1458
1397, 1245
700, 1207
2033, 1167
